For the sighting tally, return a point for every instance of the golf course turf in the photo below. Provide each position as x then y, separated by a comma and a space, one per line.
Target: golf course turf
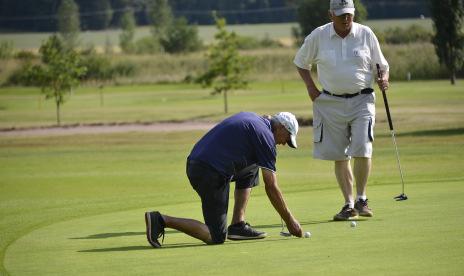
74, 204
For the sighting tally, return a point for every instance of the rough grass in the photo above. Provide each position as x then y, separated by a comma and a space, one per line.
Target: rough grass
206, 33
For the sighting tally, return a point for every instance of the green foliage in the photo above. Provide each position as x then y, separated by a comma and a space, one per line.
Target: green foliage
398, 35
314, 13
22, 76
226, 68
69, 23
126, 38
98, 67
148, 45
101, 14
124, 69
25, 55
60, 72
249, 42
160, 15
180, 37
448, 18
6, 49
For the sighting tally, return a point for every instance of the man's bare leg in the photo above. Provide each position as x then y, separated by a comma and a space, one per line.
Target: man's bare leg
241, 197
361, 170
345, 180
190, 227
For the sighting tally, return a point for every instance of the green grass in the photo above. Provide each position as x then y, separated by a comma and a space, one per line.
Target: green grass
24, 107
206, 33
73, 204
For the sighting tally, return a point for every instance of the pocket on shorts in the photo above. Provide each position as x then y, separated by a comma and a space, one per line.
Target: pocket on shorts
318, 129
370, 130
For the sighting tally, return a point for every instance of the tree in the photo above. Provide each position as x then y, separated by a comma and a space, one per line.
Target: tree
68, 23
180, 37
227, 69
448, 17
95, 14
314, 13
126, 38
161, 17
60, 72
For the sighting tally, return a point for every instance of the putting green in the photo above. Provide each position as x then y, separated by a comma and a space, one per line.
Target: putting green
416, 236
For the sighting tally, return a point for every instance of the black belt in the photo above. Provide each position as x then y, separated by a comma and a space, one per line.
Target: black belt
346, 96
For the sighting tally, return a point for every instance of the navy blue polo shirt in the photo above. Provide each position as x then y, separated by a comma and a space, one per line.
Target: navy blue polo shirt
237, 142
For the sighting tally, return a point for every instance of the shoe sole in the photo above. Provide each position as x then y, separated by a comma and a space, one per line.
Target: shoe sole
366, 214
155, 244
344, 219
239, 238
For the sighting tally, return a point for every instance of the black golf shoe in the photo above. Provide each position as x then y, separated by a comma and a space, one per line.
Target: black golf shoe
346, 213
363, 209
155, 228
243, 231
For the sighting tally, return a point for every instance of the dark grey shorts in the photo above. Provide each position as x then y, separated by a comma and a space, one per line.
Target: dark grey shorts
213, 189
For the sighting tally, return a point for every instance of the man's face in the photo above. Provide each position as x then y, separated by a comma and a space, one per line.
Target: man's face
281, 135
342, 22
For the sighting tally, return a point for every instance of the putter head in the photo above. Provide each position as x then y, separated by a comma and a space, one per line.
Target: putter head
401, 197
285, 234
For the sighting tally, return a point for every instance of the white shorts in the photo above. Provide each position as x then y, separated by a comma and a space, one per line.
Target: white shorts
343, 128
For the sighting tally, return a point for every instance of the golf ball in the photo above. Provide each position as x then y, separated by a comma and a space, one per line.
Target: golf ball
353, 224
307, 234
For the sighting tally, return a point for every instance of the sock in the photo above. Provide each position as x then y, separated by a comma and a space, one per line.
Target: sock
363, 197
350, 204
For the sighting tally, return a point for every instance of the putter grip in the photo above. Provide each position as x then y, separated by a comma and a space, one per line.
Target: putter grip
390, 124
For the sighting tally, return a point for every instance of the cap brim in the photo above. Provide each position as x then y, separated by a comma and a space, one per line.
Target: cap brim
343, 11
292, 142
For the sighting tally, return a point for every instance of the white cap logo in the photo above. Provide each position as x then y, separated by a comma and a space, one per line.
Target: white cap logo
340, 7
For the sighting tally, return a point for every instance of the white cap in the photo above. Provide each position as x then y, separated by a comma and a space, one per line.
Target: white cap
288, 120
340, 7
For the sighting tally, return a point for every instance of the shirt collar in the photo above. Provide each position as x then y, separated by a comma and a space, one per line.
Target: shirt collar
353, 31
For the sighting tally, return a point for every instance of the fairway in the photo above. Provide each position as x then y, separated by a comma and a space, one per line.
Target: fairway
74, 204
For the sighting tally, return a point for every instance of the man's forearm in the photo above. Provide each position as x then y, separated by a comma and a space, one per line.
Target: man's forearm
275, 196
305, 74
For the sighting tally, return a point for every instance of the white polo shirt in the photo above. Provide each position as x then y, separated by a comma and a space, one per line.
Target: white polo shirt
344, 65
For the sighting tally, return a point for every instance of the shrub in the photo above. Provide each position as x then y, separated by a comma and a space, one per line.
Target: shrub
21, 76
25, 55
6, 49
181, 37
147, 45
412, 34
124, 69
98, 67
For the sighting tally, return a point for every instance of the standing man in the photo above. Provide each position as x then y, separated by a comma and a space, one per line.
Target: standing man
346, 54
233, 150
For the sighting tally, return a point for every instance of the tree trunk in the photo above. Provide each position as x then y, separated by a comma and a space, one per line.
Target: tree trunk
225, 102
453, 77
58, 112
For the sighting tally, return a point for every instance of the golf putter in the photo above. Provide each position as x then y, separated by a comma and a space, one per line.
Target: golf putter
282, 232
402, 196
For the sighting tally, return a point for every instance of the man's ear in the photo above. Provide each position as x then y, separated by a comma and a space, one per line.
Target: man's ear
329, 14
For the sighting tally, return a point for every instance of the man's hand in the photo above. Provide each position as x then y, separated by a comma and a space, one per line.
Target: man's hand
383, 83
313, 94
294, 227
382, 79
275, 196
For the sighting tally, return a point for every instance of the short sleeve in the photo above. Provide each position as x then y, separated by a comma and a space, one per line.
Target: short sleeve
306, 54
265, 150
